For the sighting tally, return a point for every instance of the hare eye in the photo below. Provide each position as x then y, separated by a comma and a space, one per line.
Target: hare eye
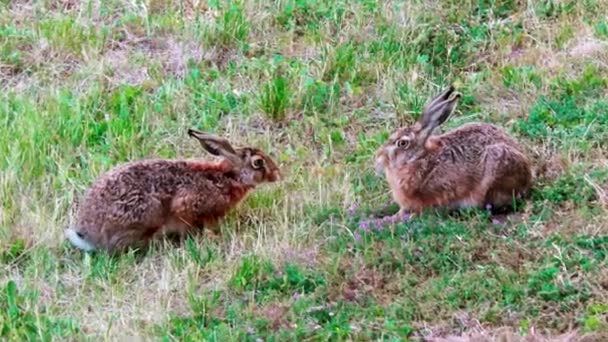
402, 143
257, 163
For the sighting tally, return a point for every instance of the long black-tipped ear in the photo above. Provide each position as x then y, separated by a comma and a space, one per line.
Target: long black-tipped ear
214, 144
438, 114
442, 111
430, 106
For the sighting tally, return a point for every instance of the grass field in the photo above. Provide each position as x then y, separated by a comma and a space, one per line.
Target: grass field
86, 85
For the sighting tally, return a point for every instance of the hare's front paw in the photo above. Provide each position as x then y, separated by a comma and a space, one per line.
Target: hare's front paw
176, 238
408, 213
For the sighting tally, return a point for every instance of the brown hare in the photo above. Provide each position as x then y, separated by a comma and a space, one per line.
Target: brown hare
135, 202
475, 165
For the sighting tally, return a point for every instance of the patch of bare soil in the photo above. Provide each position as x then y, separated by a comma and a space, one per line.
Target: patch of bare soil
364, 283
588, 47
275, 314
173, 57
506, 334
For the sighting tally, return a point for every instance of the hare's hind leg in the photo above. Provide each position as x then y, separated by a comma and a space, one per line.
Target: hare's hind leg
134, 224
507, 175
131, 237
187, 211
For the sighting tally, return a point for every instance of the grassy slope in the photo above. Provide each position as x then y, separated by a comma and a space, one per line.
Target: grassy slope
319, 85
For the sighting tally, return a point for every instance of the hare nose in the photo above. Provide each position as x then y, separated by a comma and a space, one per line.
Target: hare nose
276, 175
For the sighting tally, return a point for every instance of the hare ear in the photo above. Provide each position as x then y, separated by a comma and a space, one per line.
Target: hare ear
437, 112
215, 145
438, 99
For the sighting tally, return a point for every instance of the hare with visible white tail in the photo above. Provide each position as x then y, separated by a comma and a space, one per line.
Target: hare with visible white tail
475, 165
135, 202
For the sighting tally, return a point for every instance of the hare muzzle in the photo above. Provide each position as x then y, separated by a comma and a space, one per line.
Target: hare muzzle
276, 176
392, 156
380, 162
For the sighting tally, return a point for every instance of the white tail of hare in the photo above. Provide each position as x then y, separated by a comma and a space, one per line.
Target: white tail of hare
134, 202
475, 165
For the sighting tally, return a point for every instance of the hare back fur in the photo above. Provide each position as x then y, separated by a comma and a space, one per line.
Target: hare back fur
133, 202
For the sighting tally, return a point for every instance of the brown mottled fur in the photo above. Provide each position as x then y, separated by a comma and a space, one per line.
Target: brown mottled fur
477, 164
138, 201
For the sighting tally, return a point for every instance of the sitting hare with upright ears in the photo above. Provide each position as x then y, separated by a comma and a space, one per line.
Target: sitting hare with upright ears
135, 202
475, 165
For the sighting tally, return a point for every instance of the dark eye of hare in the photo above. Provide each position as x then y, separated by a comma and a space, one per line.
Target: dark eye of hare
258, 163
403, 143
